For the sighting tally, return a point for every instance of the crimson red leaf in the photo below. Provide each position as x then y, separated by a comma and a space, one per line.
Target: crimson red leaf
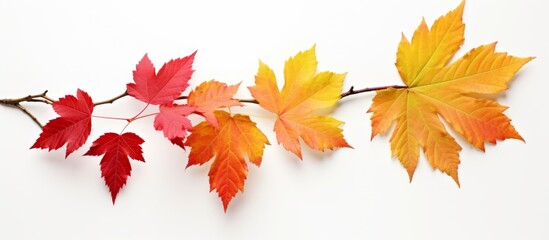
115, 164
172, 120
164, 87
72, 127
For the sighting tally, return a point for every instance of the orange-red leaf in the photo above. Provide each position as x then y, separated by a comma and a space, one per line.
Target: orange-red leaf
211, 95
236, 137
451, 91
304, 95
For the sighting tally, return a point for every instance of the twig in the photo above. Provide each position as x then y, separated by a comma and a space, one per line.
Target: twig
30, 115
110, 101
248, 101
29, 98
352, 90
43, 98
16, 102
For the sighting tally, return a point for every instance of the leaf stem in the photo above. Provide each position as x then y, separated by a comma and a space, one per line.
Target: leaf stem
111, 118
144, 116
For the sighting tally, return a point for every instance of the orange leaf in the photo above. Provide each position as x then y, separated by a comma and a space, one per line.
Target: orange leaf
297, 106
452, 91
211, 95
236, 136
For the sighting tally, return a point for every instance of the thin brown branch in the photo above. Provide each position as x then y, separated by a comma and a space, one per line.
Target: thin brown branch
30, 115
248, 101
16, 102
352, 90
40, 100
29, 98
43, 98
110, 101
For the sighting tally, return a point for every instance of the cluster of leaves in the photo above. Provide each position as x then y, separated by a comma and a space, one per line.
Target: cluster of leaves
227, 138
457, 92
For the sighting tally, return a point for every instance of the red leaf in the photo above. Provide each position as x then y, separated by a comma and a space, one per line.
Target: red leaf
164, 87
115, 164
172, 120
72, 127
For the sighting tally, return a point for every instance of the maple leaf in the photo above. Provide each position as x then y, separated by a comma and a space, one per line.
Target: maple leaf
73, 127
451, 91
296, 106
115, 164
236, 136
164, 87
173, 122
211, 95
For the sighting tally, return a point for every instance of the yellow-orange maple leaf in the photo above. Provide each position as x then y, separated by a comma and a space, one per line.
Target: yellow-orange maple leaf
304, 93
235, 137
452, 91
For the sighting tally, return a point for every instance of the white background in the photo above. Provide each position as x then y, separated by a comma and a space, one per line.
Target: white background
356, 193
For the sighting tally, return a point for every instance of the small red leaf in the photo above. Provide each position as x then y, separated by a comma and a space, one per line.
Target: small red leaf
172, 120
72, 127
164, 87
115, 164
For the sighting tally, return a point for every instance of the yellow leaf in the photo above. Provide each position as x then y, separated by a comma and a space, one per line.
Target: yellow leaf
451, 91
297, 105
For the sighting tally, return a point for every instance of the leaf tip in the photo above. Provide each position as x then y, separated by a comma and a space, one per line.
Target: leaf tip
410, 173
145, 58
193, 55
461, 5
225, 205
456, 179
520, 138
113, 197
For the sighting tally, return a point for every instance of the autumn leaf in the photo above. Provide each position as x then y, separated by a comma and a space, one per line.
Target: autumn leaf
236, 137
164, 87
115, 164
211, 95
73, 127
451, 91
304, 94
173, 122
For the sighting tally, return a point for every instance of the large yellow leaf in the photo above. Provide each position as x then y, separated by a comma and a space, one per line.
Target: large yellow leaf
452, 91
304, 94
